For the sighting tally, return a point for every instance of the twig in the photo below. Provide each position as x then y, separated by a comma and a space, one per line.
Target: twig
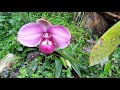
112, 15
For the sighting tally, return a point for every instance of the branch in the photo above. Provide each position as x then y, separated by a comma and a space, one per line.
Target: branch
112, 15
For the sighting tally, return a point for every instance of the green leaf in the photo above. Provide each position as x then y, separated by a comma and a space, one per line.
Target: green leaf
76, 62
47, 62
105, 45
28, 49
63, 61
23, 70
76, 68
20, 48
58, 67
69, 57
107, 67
68, 63
66, 55
33, 66
102, 76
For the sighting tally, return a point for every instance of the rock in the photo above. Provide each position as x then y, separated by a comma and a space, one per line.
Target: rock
5, 73
13, 75
32, 55
7, 61
8, 73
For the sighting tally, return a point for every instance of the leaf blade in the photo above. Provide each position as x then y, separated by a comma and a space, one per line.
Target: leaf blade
105, 45
107, 67
58, 67
76, 68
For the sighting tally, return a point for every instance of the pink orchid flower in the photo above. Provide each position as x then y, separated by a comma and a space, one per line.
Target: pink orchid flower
44, 34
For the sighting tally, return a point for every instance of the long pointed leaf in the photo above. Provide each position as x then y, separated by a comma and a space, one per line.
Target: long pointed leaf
58, 67
105, 45
47, 62
76, 68
71, 59
33, 66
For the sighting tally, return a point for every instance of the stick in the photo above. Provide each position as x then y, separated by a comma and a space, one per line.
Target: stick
112, 15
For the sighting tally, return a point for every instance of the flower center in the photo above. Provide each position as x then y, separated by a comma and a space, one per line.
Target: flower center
46, 36
47, 42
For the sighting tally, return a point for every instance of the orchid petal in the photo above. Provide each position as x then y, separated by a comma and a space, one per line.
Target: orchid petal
61, 35
30, 34
44, 22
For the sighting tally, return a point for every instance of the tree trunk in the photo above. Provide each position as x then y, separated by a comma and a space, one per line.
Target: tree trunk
97, 22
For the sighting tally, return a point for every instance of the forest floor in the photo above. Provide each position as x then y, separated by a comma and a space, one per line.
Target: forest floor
10, 25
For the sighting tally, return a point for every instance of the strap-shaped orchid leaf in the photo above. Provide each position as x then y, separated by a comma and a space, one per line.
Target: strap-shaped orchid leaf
105, 45
58, 67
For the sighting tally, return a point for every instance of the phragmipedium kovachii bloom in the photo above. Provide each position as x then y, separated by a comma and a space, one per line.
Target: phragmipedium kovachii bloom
44, 34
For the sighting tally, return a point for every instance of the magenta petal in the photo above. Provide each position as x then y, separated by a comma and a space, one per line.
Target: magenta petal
30, 34
61, 35
44, 22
